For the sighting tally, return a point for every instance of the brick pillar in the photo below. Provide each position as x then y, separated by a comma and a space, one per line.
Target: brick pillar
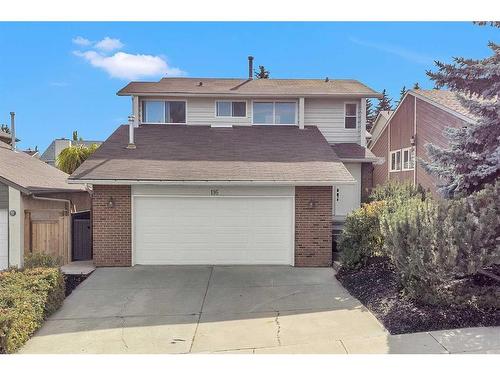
366, 181
112, 226
313, 226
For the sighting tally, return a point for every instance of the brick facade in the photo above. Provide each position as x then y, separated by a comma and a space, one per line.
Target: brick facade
112, 226
366, 181
313, 226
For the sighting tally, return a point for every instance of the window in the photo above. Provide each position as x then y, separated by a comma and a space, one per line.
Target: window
395, 161
408, 159
164, 112
271, 113
351, 115
230, 109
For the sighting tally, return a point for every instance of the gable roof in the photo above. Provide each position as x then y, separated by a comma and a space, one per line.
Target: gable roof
31, 175
202, 154
444, 99
250, 87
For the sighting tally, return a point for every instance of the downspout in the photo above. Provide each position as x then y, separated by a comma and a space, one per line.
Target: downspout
415, 141
55, 200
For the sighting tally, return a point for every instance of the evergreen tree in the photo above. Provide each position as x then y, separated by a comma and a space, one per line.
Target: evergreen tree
384, 103
75, 135
402, 94
416, 86
261, 73
370, 115
472, 158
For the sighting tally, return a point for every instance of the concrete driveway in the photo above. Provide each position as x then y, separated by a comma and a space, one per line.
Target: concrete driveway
231, 309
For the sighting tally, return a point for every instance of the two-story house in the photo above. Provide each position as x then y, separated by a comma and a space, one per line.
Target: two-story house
400, 137
229, 171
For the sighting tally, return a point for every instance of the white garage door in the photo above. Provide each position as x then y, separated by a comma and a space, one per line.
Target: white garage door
4, 239
213, 230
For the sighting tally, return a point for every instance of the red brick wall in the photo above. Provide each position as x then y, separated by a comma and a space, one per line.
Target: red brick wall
313, 226
112, 227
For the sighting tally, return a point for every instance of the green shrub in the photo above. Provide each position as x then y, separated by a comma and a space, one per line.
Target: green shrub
27, 297
432, 244
394, 191
42, 260
361, 237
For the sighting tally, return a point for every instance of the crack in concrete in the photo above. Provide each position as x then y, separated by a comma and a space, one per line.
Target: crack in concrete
278, 326
201, 309
122, 336
274, 300
435, 339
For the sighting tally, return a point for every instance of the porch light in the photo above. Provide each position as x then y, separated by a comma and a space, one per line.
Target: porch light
111, 202
312, 203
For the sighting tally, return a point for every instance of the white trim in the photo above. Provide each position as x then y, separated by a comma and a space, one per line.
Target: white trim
350, 116
274, 101
230, 101
400, 161
302, 106
212, 182
410, 157
349, 95
165, 100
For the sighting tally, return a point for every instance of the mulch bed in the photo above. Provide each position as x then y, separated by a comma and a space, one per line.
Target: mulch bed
72, 281
377, 287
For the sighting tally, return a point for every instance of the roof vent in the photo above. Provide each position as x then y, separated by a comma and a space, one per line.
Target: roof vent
200, 83
327, 79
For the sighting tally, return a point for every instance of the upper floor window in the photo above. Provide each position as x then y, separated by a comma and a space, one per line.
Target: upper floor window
230, 109
395, 161
350, 115
164, 111
275, 113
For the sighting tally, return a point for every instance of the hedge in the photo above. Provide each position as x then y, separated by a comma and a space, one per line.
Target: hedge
27, 297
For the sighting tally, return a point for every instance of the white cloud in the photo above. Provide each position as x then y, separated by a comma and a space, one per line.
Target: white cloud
401, 52
129, 66
81, 41
108, 44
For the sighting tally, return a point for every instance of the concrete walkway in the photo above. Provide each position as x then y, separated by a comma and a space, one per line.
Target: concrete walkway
233, 309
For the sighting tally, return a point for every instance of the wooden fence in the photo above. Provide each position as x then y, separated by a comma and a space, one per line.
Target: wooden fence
49, 232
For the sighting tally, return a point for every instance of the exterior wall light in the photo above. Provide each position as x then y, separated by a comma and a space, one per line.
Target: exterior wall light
111, 202
412, 140
312, 203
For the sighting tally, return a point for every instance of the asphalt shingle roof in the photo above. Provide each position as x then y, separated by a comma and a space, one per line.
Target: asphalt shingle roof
255, 87
31, 173
202, 153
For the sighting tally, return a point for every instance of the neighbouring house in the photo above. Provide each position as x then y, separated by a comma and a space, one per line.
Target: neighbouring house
400, 137
33, 153
36, 209
229, 171
57, 145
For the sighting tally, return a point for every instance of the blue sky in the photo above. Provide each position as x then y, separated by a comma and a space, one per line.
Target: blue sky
57, 83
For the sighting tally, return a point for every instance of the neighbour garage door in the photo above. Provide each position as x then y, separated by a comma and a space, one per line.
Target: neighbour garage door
213, 230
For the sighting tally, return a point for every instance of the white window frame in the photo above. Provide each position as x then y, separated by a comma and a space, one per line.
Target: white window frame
395, 152
296, 102
357, 115
141, 106
411, 159
231, 101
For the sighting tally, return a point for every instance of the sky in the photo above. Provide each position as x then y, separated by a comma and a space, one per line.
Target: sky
60, 77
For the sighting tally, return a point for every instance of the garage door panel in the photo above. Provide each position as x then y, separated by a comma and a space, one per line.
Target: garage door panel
221, 230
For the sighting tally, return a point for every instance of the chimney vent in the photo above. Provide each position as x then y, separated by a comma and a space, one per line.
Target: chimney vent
131, 142
250, 67
200, 83
327, 79
13, 131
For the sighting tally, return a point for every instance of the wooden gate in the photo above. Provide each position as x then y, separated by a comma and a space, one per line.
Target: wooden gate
48, 232
82, 249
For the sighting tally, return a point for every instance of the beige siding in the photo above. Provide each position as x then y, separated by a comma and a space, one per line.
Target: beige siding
328, 116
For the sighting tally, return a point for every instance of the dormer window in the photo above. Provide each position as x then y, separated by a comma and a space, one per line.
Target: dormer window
163, 112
